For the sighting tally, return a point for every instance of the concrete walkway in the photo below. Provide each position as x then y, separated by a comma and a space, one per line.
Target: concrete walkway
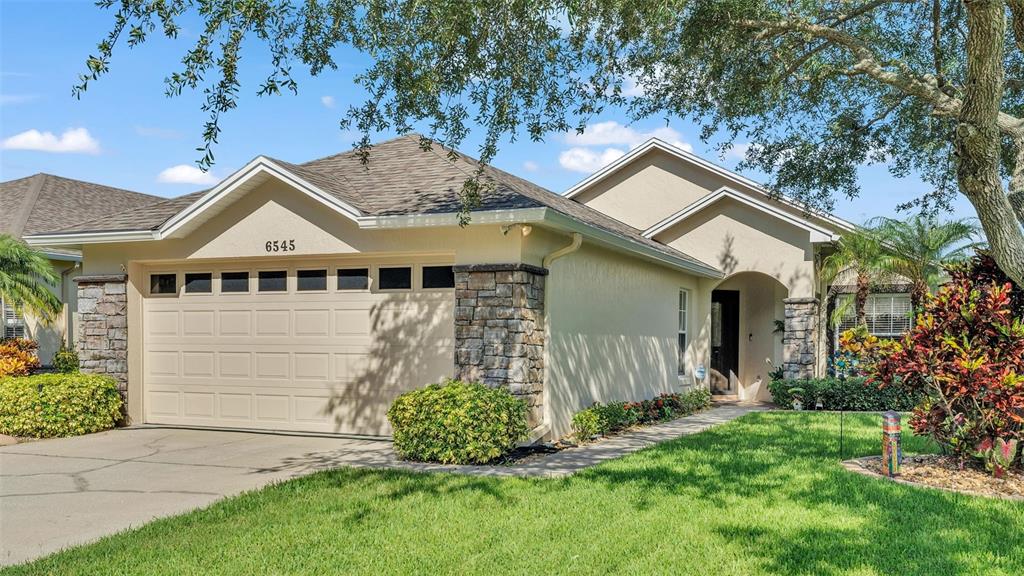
63, 492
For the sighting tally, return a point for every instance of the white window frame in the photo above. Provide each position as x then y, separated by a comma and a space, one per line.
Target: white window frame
683, 328
13, 324
872, 314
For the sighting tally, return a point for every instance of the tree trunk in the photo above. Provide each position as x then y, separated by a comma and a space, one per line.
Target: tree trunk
977, 138
917, 293
860, 301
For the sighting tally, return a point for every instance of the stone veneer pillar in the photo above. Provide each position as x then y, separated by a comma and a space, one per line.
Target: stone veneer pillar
102, 341
799, 341
499, 330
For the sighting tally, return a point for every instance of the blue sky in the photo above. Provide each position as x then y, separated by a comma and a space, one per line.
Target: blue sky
124, 132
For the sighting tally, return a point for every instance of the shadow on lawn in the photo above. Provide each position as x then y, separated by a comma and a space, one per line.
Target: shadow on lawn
778, 466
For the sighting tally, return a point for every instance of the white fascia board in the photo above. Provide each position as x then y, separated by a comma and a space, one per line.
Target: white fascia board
76, 238
510, 216
818, 234
696, 160
260, 164
61, 256
563, 222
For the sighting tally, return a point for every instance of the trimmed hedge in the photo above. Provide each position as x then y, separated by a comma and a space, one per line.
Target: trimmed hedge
55, 405
603, 419
457, 423
852, 394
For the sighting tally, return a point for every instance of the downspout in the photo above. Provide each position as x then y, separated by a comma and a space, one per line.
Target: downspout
577, 240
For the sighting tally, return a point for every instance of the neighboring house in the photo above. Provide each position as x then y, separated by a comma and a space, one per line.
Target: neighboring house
45, 202
307, 296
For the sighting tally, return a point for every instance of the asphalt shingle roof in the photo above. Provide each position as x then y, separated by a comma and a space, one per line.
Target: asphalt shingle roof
45, 202
400, 179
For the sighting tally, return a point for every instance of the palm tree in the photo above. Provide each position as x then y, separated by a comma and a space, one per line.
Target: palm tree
917, 249
859, 251
24, 276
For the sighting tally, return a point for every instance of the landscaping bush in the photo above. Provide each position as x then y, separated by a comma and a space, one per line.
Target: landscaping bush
965, 354
602, 419
52, 405
18, 357
843, 394
65, 360
457, 423
587, 423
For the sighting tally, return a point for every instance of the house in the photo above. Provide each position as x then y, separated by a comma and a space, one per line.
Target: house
46, 202
307, 296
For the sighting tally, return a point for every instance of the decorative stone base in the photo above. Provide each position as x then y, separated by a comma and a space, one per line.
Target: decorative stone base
799, 350
499, 330
102, 342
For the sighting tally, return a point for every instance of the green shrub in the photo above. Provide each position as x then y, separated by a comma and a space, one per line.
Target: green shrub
53, 405
65, 360
587, 423
842, 394
457, 423
601, 419
615, 416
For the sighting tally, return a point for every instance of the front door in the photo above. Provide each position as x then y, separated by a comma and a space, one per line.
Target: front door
725, 343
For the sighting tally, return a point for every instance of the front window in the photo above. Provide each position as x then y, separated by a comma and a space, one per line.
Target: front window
886, 315
13, 323
684, 301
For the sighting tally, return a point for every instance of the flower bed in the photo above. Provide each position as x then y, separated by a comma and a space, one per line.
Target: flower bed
944, 473
606, 419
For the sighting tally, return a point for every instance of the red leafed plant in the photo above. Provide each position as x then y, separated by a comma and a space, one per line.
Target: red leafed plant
966, 353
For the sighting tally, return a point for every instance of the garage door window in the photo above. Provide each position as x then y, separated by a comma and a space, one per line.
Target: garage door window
273, 281
311, 280
396, 278
353, 278
234, 282
198, 283
438, 277
163, 283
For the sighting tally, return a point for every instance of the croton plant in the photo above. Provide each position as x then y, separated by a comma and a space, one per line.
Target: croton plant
966, 352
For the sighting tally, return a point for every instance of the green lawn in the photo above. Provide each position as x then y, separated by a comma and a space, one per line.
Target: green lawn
761, 495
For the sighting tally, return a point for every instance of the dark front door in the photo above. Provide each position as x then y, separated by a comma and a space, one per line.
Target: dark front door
725, 339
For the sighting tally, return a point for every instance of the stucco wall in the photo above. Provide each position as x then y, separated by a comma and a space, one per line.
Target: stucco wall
738, 238
612, 328
50, 336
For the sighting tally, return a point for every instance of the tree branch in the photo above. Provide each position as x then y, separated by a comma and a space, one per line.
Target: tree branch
926, 87
1017, 12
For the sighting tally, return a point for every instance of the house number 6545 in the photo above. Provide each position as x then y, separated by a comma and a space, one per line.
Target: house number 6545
280, 245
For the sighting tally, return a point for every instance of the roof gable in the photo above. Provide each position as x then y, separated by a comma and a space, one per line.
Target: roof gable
733, 179
818, 233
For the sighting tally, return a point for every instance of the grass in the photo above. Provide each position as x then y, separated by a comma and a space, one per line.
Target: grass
761, 495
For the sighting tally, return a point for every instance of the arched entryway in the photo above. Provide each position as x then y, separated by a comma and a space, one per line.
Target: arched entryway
747, 312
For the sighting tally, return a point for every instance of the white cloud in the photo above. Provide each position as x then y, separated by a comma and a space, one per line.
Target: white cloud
738, 151
73, 140
579, 159
185, 174
327, 101
611, 133
12, 99
530, 166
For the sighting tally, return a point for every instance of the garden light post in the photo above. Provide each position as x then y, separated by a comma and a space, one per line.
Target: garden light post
892, 451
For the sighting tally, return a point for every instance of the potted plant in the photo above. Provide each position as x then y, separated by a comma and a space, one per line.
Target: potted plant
797, 395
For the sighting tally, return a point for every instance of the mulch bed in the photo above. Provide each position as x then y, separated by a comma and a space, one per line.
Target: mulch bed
943, 472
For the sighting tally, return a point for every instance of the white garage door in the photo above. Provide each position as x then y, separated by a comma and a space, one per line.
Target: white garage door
312, 347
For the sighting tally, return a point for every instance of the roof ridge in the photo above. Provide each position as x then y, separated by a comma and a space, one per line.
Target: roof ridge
353, 149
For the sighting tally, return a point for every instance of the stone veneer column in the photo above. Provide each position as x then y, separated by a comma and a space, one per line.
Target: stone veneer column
102, 341
499, 330
799, 341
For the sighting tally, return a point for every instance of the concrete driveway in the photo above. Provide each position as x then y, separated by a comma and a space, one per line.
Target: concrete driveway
62, 492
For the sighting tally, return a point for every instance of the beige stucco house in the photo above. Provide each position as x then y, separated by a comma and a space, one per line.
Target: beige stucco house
307, 296
45, 202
